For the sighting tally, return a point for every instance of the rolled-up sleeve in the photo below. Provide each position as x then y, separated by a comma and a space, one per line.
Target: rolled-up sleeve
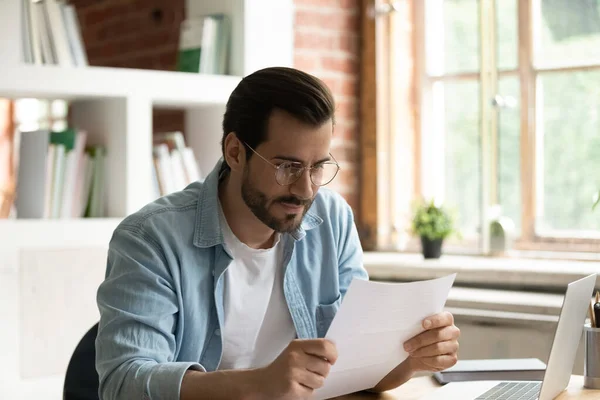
136, 344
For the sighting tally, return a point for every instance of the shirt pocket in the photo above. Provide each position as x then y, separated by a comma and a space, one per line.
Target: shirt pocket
325, 314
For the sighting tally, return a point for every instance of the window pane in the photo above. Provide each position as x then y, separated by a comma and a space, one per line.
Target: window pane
509, 145
570, 143
569, 32
462, 170
452, 36
507, 34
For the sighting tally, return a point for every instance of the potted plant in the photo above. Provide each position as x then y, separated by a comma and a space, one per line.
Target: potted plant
432, 224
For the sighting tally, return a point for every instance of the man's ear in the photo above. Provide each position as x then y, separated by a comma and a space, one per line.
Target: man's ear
235, 152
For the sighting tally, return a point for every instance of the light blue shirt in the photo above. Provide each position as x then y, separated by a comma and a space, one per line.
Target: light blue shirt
161, 304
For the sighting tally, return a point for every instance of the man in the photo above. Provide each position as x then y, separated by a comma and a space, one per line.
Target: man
226, 289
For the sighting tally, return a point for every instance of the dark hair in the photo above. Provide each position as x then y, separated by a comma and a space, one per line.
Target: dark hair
253, 100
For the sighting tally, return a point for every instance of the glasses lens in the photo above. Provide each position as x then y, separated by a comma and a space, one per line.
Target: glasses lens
288, 173
324, 173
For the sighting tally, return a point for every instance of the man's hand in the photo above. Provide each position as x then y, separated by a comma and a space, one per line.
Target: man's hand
300, 369
436, 348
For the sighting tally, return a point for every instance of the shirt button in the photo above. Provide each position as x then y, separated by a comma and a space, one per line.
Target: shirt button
218, 332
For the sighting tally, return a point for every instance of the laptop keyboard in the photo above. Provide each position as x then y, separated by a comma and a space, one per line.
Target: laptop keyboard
513, 391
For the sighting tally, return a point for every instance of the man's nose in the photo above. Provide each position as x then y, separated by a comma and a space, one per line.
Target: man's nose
303, 187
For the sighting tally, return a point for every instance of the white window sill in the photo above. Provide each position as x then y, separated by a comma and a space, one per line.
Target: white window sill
526, 274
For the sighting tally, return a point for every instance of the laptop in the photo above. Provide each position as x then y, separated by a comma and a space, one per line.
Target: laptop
560, 362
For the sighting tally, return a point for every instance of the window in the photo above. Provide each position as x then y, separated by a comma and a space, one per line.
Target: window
507, 98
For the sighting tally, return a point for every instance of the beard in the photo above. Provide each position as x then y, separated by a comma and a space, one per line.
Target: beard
259, 204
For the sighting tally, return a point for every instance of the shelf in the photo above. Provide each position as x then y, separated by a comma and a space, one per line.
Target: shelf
56, 233
161, 88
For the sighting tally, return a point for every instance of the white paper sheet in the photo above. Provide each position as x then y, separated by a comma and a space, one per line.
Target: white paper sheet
371, 326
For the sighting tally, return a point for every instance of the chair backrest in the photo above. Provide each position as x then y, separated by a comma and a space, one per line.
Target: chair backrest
81, 378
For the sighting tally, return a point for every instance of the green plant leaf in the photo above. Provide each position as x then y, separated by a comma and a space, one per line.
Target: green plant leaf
431, 221
596, 200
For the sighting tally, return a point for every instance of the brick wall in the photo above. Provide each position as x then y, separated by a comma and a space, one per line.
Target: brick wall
327, 45
144, 34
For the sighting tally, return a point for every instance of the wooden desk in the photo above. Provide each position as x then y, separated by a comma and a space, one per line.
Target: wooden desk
419, 387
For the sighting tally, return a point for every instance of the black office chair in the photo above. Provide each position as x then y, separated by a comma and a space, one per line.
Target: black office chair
81, 378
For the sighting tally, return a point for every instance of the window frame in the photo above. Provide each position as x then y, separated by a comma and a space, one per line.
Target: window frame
378, 136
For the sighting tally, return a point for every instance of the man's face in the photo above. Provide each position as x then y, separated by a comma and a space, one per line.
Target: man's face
282, 208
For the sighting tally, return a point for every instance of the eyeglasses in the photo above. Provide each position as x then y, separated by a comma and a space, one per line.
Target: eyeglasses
289, 172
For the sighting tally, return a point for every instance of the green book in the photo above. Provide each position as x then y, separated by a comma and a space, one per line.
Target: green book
190, 45
66, 138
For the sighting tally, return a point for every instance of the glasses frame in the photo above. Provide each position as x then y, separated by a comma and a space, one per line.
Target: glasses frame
302, 169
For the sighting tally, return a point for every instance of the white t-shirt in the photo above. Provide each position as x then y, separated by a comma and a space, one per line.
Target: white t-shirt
258, 324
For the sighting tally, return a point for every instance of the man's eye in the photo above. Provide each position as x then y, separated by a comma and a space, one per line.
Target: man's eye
292, 168
289, 165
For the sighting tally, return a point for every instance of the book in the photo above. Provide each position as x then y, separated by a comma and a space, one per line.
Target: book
204, 44
175, 163
190, 45
51, 34
33, 152
514, 369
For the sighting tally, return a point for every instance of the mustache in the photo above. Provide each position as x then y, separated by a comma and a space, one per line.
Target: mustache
293, 200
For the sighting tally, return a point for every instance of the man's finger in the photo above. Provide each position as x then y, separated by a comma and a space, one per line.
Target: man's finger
437, 349
322, 348
438, 320
439, 363
318, 366
432, 336
309, 379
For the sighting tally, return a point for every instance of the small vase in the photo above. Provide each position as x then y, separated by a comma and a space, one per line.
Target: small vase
431, 248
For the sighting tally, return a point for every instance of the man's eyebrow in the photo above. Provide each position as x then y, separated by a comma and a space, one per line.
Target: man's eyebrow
294, 159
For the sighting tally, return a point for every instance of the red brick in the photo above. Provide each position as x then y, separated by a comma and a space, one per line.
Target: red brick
346, 133
345, 181
344, 152
141, 62
337, 21
147, 41
166, 60
341, 86
314, 40
167, 120
102, 15
306, 62
340, 64
347, 87
344, 22
103, 50
333, 83
350, 4
353, 202
348, 42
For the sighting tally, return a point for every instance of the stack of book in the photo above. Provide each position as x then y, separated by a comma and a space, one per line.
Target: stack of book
59, 176
51, 34
175, 165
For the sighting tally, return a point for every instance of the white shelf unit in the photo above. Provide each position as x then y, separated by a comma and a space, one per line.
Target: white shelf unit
50, 269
